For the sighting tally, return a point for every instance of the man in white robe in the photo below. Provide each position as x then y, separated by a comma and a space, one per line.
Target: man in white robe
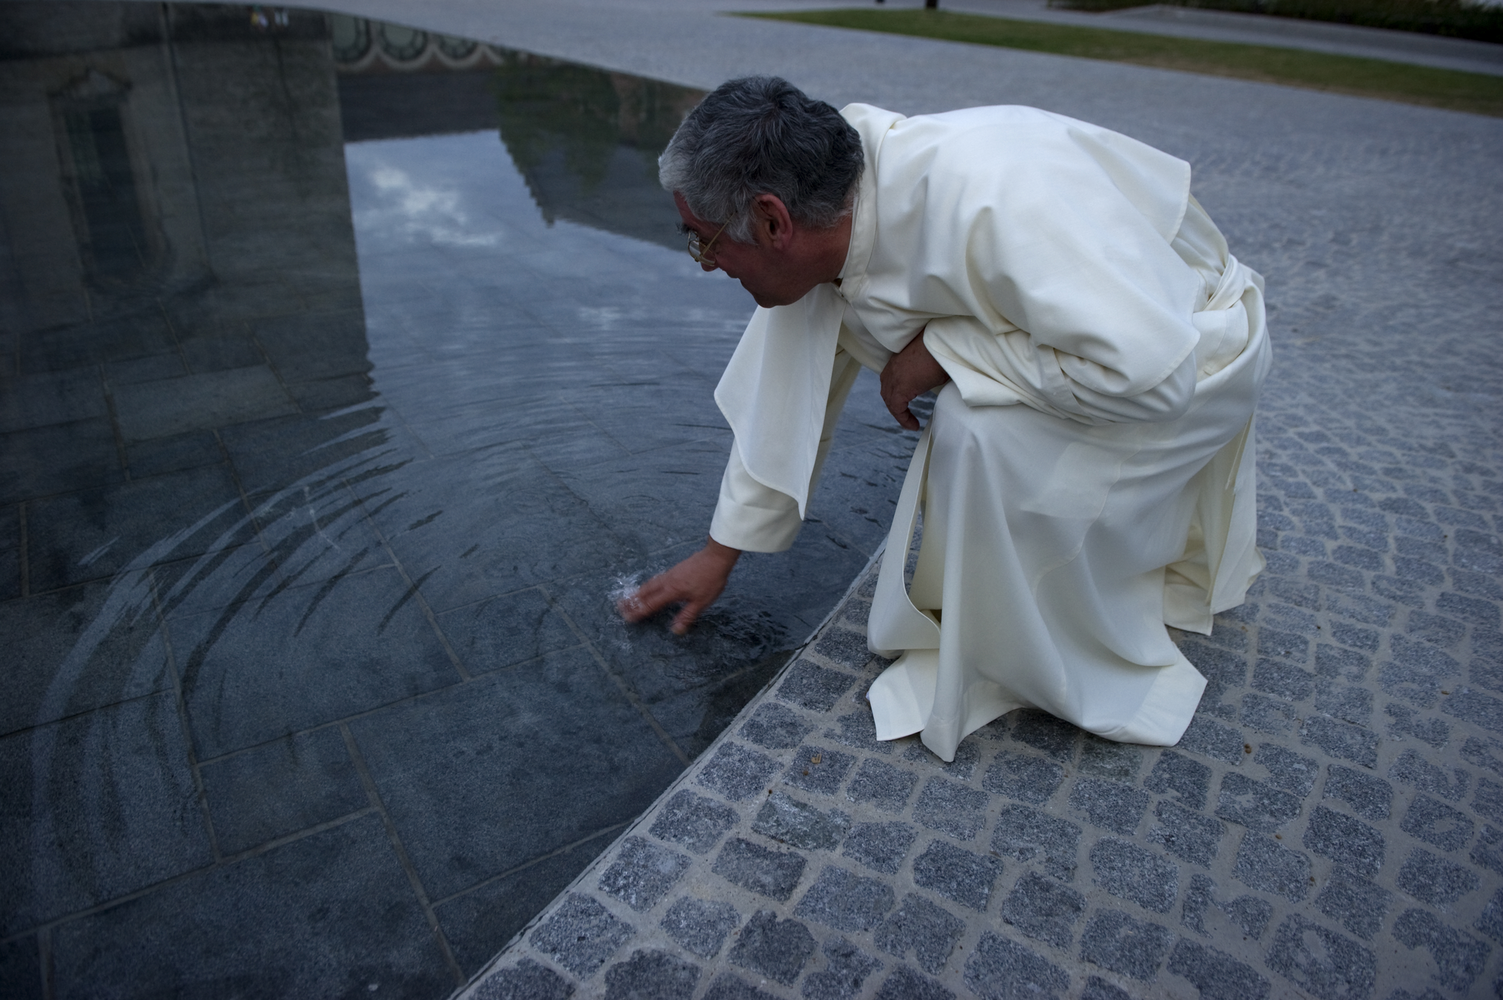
1087, 476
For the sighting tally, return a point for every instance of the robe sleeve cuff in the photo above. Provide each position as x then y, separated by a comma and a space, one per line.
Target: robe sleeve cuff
750, 516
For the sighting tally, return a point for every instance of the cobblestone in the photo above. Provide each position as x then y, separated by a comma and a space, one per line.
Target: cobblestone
1250, 914
816, 769
1216, 974
1045, 910
1120, 943
814, 687
773, 948
693, 821
846, 969
1345, 840
1003, 970
928, 931
700, 925
775, 727
880, 846
1131, 872
1458, 957
951, 808
643, 873
905, 984
1359, 905
1110, 805
1187, 780
580, 935
798, 824
1185, 833
1320, 961
957, 874
883, 785
846, 901
1435, 880
651, 975
1026, 834
771, 873
1263, 864
1253, 804
737, 772
1023, 777
1437, 823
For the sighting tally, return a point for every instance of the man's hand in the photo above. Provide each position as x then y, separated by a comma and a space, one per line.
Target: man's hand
909, 374
694, 583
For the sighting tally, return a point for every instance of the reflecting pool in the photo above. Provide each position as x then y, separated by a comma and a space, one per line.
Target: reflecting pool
348, 370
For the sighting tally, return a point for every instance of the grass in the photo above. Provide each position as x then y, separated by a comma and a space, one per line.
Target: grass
1440, 88
1456, 18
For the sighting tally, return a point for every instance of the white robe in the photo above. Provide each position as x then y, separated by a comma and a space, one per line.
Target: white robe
1087, 476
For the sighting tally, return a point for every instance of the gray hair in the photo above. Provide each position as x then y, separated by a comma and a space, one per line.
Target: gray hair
762, 135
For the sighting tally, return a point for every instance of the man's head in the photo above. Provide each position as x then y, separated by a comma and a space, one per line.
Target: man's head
778, 171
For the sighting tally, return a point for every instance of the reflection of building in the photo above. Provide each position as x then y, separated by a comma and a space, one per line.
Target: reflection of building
172, 156
586, 141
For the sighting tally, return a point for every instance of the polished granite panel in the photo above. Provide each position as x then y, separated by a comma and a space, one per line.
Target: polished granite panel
78, 649
305, 656
151, 408
96, 806
506, 630
329, 915
58, 458
21, 968
278, 788
347, 373
95, 534
496, 754
494, 911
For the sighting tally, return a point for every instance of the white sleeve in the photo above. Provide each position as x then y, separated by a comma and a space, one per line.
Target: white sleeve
754, 517
998, 369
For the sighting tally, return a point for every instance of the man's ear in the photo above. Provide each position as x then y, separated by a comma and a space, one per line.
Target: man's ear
773, 223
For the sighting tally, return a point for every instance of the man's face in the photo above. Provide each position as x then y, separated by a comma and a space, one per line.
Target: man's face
770, 277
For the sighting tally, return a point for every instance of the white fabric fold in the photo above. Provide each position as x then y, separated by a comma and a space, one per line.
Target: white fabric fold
773, 392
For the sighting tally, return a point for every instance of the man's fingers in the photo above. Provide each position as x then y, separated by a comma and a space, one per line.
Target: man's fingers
686, 617
648, 600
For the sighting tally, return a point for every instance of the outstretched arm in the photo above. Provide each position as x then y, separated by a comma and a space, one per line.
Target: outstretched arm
694, 583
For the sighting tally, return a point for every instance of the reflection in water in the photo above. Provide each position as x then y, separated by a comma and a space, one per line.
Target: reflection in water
346, 367
585, 140
113, 240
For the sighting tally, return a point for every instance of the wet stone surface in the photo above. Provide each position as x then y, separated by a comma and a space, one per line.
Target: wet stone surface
333, 414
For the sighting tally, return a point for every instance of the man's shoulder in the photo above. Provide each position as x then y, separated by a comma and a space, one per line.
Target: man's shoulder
995, 142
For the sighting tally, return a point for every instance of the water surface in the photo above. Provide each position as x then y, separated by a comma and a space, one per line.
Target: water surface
348, 370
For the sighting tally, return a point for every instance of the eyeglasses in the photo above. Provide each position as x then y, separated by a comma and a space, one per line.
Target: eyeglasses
701, 251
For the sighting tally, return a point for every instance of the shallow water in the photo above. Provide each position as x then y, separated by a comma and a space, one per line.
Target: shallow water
348, 372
